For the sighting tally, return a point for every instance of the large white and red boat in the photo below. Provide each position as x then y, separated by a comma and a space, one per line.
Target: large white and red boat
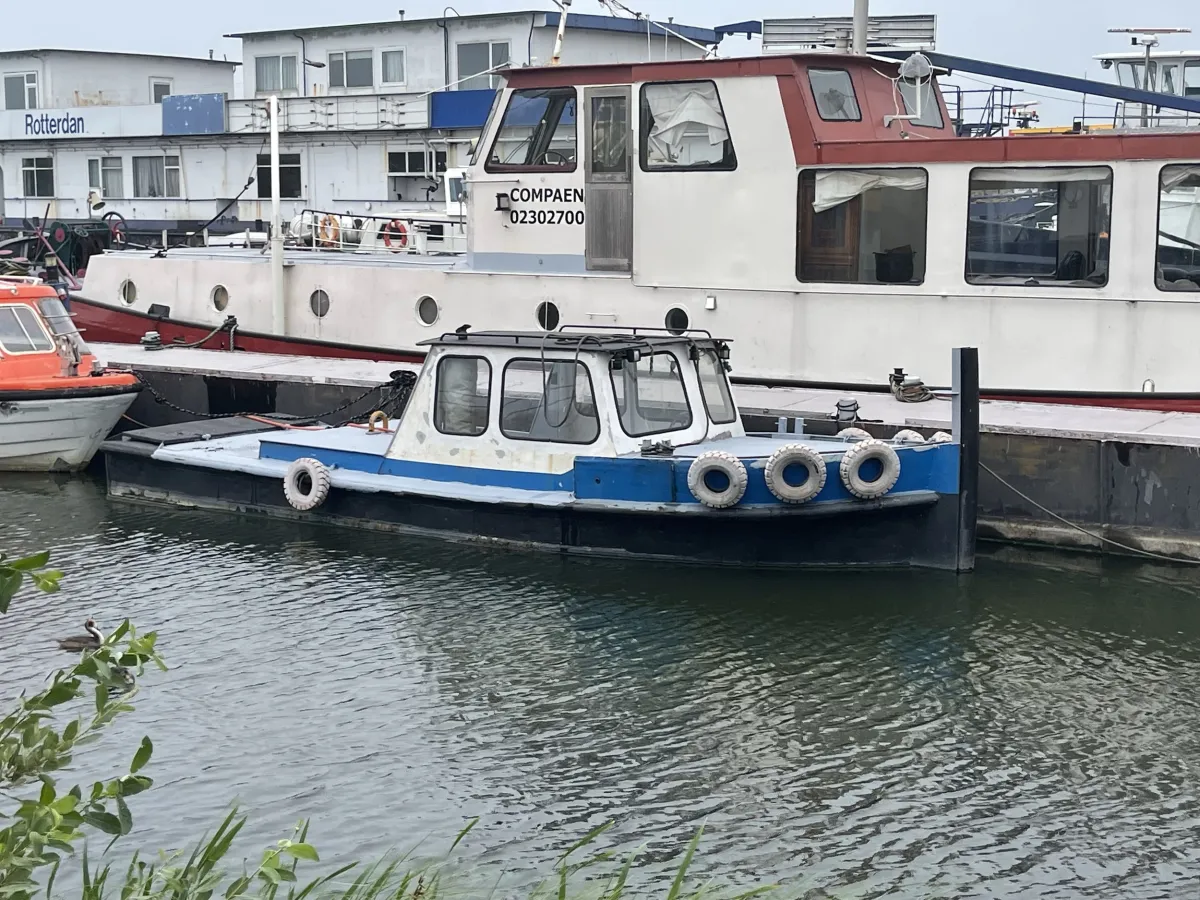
823, 210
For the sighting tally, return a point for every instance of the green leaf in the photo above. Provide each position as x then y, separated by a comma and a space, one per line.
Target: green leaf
142, 756
10, 583
124, 816
47, 795
302, 851
129, 785
272, 875
30, 563
47, 582
101, 697
106, 822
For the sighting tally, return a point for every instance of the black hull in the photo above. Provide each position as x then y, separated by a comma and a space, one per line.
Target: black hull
922, 531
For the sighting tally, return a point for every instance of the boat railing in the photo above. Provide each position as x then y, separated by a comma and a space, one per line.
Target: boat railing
410, 232
982, 112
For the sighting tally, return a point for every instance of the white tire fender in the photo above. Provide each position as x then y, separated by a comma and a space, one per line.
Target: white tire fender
306, 483
908, 436
795, 455
851, 469
727, 464
854, 434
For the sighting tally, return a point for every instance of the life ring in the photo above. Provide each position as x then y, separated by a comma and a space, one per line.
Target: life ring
941, 437
397, 228
908, 436
854, 434
328, 230
724, 463
306, 483
852, 463
795, 455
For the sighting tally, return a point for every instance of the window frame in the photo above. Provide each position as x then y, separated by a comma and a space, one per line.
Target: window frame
853, 168
540, 362
492, 76
156, 81
41, 327
499, 168
682, 381
265, 184
98, 183
279, 58
643, 132
34, 169
933, 97
726, 389
1162, 171
362, 52
817, 103
403, 51
437, 393
967, 276
167, 169
1189, 66
25, 86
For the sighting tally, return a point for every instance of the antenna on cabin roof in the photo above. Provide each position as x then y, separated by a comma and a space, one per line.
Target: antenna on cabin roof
401, 14
1147, 38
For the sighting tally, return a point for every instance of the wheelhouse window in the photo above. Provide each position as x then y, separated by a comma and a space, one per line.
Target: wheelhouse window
477, 63
912, 92
37, 176
20, 91
464, 390
651, 398
156, 176
352, 69
548, 400
21, 332
862, 226
714, 386
1178, 262
61, 324
683, 126
1039, 226
833, 90
290, 183
274, 73
537, 133
105, 174
1191, 79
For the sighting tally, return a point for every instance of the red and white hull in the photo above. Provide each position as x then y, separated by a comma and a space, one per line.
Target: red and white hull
57, 433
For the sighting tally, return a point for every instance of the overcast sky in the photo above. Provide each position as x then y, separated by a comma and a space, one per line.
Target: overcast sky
1053, 35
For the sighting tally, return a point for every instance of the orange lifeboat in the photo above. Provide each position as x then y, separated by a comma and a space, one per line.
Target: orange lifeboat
57, 401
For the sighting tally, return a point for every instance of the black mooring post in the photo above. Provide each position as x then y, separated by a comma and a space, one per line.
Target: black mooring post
966, 435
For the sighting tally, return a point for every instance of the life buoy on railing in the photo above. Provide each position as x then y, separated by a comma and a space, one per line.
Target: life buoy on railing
857, 456
785, 458
717, 462
306, 483
400, 230
328, 231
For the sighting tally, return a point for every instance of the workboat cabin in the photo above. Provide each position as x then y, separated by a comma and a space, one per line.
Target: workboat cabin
616, 443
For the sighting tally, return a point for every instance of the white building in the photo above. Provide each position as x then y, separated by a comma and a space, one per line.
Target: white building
370, 115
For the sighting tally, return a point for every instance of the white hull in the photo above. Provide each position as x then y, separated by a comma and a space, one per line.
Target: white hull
56, 435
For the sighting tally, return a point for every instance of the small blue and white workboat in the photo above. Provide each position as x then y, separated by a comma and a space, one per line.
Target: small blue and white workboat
612, 443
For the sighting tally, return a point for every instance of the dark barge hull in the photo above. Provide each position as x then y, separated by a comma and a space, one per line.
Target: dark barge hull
915, 530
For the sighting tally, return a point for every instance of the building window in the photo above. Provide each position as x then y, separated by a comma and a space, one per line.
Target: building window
548, 400
464, 390
684, 127
290, 184
1038, 226
405, 166
274, 73
37, 175
105, 175
351, 69
477, 64
156, 176
393, 66
1178, 262
833, 89
20, 91
931, 113
159, 89
650, 394
537, 132
862, 226
21, 332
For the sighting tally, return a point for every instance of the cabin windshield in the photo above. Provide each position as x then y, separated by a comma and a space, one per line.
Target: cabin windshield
718, 399
651, 397
1178, 261
537, 132
21, 331
61, 324
548, 400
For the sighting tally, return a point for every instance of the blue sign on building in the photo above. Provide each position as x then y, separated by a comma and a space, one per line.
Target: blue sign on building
193, 114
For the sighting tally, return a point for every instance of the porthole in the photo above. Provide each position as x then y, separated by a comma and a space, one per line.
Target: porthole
318, 302
427, 310
220, 297
677, 320
547, 315
128, 292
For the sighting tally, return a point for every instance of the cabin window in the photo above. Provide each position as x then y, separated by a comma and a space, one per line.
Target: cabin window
718, 399
1039, 226
537, 132
274, 73
464, 390
21, 332
158, 176
61, 324
477, 63
1177, 265
683, 127
1191, 79
477, 143
105, 174
833, 89
548, 400
20, 91
352, 69
911, 92
651, 398
37, 176
290, 183
862, 226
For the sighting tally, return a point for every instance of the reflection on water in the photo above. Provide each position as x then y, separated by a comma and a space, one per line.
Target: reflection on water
1027, 731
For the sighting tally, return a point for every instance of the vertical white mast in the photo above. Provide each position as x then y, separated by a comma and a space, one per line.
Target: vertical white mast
858, 45
277, 307
564, 5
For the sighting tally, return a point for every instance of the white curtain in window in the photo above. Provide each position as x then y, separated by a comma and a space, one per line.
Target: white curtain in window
838, 186
680, 109
1041, 175
266, 73
393, 66
288, 72
149, 177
